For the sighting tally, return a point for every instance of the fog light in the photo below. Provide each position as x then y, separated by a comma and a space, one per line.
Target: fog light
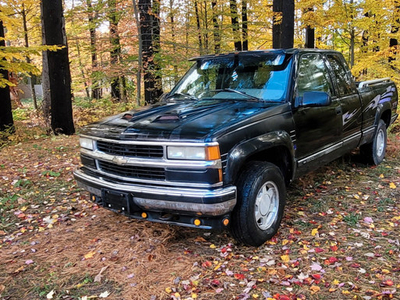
197, 222
225, 222
144, 215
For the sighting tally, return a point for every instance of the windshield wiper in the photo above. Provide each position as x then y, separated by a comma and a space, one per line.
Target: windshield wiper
237, 92
184, 95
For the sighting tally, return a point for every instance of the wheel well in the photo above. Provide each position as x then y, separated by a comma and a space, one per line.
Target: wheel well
386, 116
279, 156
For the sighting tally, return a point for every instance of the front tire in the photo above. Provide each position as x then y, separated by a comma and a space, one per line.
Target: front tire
374, 152
261, 202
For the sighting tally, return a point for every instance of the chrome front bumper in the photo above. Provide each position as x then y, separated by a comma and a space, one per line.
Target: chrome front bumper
198, 202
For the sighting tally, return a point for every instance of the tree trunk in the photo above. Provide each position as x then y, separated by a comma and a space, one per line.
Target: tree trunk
235, 25
140, 55
156, 44
216, 31
146, 33
172, 21
115, 51
28, 60
196, 10
245, 33
6, 117
96, 91
58, 67
283, 27
310, 33
206, 40
393, 42
78, 50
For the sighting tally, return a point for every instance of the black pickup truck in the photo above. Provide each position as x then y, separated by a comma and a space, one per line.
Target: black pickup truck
219, 150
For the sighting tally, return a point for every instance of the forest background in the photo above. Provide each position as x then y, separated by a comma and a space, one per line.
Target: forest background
132, 51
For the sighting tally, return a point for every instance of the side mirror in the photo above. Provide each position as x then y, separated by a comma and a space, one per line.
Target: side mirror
316, 99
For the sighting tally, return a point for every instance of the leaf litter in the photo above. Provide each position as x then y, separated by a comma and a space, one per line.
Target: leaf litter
339, 238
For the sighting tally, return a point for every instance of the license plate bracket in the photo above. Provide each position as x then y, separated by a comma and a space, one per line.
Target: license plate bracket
116, 201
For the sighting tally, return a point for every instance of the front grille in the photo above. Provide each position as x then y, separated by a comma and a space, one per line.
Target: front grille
129, 150
133, 171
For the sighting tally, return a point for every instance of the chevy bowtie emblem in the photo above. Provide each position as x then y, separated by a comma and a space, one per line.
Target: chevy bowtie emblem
119, 160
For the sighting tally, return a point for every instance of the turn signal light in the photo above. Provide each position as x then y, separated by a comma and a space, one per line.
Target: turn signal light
225, 222
144, 215
197, 222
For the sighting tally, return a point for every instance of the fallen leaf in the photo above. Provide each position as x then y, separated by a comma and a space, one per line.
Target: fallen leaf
285, 258
50, 294
89, 254
104, 294
97, 278
392, 185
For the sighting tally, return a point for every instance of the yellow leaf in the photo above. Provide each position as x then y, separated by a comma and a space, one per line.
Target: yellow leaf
392, 185
168, 290
356, 196
314, 232
212, 246
285, 242
381, 176
255, 296
336, 282
194, 296
285, 258
314, 289
89, 254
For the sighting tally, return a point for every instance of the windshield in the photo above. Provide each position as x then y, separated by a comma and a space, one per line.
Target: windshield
262, 76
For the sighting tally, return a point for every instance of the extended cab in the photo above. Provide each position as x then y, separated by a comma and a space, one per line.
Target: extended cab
219, 149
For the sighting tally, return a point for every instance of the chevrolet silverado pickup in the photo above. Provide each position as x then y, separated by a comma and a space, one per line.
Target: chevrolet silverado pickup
219, 150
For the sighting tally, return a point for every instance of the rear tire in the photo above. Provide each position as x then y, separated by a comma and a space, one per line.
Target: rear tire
374, 152
261, 202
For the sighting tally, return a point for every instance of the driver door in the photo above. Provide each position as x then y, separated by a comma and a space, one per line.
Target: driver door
318, 128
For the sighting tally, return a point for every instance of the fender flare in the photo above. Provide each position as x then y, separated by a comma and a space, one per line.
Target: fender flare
240, 153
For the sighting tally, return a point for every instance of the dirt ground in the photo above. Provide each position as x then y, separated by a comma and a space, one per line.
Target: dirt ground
339, 238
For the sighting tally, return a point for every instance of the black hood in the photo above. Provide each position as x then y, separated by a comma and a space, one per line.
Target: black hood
183, 120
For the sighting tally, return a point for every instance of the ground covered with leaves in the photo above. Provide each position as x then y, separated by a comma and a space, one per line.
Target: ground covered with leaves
339, 238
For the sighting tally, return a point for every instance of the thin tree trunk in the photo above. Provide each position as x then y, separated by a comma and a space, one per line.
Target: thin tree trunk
82, 69
206, 41
393, 42
140, 55
115, 51
216, 31
245, 33
6, 117
310, 34
58, 67
156, 44
196, 10
96, 92
235, 25
172, 21
28, 60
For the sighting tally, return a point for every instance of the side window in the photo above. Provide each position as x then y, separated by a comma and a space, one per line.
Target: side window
342, 77
313, 75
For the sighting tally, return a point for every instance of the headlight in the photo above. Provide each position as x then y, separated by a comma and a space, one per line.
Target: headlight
86, 143
193, 152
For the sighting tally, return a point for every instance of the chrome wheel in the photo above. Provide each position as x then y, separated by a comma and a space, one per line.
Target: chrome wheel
266, 205
380, 142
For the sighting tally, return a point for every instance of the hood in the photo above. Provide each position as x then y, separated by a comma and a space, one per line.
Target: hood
200, 120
